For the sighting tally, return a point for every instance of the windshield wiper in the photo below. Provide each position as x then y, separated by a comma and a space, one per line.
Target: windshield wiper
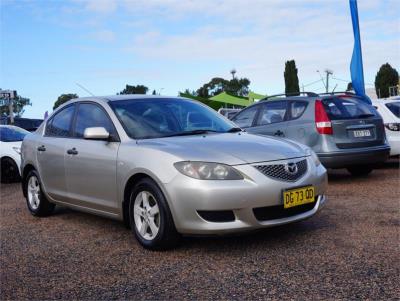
234, 130
194, 132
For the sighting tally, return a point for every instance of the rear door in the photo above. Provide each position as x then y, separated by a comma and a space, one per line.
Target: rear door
354, 123
271, 119
51, 150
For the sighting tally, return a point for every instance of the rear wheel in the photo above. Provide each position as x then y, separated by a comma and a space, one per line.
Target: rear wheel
9, 171
361, 170
150, 218
37, 203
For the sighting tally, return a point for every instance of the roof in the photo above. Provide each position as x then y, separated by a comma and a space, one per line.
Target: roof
225, 97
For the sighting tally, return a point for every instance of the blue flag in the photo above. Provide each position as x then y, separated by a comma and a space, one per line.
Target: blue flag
356, 65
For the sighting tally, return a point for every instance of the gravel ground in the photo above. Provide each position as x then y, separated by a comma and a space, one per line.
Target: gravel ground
350, 250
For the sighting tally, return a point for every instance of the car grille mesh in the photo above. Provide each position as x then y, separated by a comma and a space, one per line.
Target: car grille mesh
280, 172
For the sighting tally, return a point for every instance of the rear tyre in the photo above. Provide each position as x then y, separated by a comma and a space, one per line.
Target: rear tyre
9, 171
359, 171
37, 203
150, 217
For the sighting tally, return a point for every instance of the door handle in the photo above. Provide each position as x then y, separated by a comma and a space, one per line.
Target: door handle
41, 148
72, 151
279, 133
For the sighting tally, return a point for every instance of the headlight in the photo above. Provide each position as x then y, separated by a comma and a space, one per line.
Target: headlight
313, 156
208, 171
393, 126
17, 149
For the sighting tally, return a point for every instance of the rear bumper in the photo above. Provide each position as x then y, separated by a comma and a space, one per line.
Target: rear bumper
342, 159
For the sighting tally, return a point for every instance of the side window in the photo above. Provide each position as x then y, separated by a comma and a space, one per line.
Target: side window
272, 112
245, 118
297, 109
91, 115
60, 124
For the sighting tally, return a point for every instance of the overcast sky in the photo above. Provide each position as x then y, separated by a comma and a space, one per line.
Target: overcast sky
170, 45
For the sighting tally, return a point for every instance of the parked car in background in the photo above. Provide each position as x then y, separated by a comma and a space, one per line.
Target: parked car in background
228, 113
10, 152
390, 112
167, 166
344, 131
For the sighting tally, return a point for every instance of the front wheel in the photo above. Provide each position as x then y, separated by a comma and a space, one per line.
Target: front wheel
359, 171
37, 203
9, 171
150, 218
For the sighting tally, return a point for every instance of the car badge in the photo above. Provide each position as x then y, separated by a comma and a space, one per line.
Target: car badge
291, 168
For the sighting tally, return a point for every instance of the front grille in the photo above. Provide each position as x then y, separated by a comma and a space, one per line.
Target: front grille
281, 172
277, 212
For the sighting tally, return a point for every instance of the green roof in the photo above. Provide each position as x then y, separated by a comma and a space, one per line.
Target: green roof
227, 98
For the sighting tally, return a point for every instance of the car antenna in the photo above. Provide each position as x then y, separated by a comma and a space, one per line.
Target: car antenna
83, 88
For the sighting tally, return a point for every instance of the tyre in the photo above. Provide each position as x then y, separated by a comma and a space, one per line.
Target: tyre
9, 171
37, 203
359, 171
150, 217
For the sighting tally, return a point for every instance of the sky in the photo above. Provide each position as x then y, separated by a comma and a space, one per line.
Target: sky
48, 47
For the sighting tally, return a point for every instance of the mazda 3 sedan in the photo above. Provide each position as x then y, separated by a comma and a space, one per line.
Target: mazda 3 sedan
166, 167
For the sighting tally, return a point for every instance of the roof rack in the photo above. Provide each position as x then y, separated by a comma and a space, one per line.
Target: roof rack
308, 94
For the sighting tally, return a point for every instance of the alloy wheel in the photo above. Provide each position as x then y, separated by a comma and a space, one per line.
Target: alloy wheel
146, 215
34, 192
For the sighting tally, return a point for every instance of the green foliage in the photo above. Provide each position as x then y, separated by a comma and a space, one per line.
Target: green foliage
63, 98
385, 78
139, 89
291, 79
235, 86
19, 104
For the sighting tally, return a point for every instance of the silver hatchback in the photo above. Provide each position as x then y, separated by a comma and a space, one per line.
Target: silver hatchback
166, 167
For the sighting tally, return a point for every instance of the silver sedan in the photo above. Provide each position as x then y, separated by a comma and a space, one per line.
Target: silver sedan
166, 167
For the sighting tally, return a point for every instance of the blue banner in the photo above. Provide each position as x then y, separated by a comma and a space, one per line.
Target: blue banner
356, 65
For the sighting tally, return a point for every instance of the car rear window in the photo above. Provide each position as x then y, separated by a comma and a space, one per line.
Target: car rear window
12, 134
347, 108
394, 107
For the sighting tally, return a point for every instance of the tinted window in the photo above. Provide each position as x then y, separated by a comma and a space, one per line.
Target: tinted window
347, 108
91, 115
245, 118
156, 118
60, 124
272, 112
394, 107
12, 134
297, 109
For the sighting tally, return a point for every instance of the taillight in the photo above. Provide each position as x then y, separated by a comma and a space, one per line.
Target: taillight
322, 121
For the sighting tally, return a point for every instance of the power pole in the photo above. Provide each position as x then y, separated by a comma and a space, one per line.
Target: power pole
328, 72
9, 95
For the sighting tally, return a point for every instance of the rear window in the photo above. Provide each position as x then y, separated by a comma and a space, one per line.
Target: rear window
347, 108
12, 134
394, 107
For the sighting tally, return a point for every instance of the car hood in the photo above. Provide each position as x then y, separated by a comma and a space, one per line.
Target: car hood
228, 148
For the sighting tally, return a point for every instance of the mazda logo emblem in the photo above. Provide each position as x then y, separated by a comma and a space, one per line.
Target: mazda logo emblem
291, 168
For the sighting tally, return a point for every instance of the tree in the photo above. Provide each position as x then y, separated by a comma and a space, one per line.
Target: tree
139, 89
291, 79
385, 78
235, 86
63, 98
19, 103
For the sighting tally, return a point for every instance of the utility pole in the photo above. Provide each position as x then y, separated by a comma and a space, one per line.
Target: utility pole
9, 95
328, 72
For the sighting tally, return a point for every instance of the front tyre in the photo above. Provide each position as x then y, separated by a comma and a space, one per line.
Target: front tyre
150, 218
359, 171
9, 171
37, 203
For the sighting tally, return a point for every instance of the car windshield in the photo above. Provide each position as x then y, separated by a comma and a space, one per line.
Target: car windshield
394, 107
347, 108
12, 134
157, 118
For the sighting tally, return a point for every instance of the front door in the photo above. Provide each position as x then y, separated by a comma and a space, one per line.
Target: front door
91, 165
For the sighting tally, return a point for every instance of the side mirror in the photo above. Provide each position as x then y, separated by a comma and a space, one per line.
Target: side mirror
96, 133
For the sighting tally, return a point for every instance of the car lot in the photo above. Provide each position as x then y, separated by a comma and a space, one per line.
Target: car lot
349, 250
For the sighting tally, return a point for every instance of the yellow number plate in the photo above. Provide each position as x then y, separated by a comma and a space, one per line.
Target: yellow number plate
298, 196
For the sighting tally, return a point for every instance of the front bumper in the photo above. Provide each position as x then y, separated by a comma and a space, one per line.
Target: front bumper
345, 158
187, 196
